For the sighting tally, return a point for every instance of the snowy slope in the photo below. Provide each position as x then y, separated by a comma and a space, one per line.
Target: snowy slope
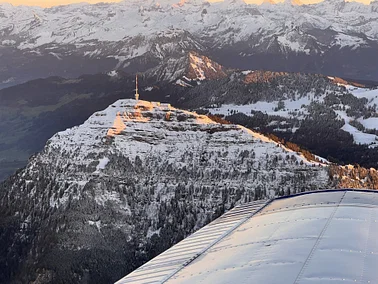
135, 178
288, 102
31, 27
117, 35
104, 197
370, 94
187, 69
152, 130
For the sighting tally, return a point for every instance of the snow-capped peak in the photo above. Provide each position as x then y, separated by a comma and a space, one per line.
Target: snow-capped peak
141, 128
202, 67
191, 66
73, 24
131, 174
135, 36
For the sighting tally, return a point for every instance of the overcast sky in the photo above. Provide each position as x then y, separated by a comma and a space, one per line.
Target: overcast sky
49, 3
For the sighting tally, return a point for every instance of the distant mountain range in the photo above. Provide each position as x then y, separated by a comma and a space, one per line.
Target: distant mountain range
333, 37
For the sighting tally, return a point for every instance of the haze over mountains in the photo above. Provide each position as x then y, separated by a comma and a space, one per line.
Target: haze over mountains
333, 37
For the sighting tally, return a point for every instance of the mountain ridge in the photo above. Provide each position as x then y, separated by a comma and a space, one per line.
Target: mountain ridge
106, 196
142, 174
96, 38
32, 112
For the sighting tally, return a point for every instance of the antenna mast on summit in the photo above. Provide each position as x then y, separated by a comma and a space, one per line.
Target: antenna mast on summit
136, 87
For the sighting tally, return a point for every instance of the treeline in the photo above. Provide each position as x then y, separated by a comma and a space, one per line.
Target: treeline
240, 89
294, 147
290, 145
354, 176
218, 119
319, 133
353, 106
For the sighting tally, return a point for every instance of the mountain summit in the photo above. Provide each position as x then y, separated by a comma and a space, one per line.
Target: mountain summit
189, 67
135, 178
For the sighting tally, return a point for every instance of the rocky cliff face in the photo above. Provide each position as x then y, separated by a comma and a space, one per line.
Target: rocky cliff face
104, 197
187, 70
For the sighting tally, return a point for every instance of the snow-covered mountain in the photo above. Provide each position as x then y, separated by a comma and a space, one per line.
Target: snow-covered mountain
188, 70
333, 37
286, 104
103, 197
34, 111
356, 105
329, 116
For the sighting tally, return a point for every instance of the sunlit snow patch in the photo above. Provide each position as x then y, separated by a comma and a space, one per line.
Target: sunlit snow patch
118, 126
112, 73
102, 163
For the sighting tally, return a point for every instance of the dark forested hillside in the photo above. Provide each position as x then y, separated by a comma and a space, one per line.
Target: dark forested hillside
324, 115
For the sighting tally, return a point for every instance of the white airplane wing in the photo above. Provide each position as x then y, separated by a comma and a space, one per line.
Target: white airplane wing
316, 237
